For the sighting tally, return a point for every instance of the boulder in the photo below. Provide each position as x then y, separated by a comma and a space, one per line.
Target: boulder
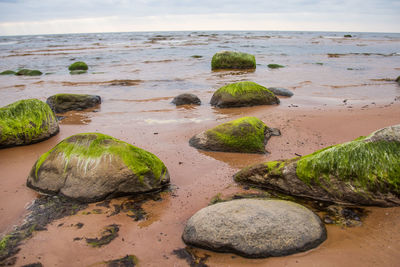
64, 102
28, 72
280, 91
79, 65
242, 94
398, 80
244, 135
26, 122
8, 72
255, 228
90, 167
362, 172
186, 99
233, 60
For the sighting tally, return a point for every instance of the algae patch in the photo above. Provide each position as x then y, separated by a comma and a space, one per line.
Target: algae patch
108, 234
233, 60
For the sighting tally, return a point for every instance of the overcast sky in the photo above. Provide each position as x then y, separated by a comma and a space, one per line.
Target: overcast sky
19, 17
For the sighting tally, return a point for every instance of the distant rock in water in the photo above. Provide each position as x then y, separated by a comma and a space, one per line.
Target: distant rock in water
242, 94
27, 72
398, 80
275, 66
79, 65
25, 122
8, 72
186, 99
91, 167
255, 228
280, 91
61, 103
77, 72
347, 36
363, 172
233, 60
244, 135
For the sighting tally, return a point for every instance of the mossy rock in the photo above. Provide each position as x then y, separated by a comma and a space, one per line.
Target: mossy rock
25, 122
77, 72
233, 60
8, 72
365, 171
347, 36
79, 65
275, 66
242, 94
398, 79
64, 102
90, 167
244, 135
28, 72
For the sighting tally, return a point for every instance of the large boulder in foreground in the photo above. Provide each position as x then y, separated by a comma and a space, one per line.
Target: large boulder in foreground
91, 167
365, 171
243, 94
61, 103
26, 122
255, 228
244, 135
233, 60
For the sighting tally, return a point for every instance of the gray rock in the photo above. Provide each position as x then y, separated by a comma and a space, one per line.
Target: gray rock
280, 91
186, 99
255, 228
61, 103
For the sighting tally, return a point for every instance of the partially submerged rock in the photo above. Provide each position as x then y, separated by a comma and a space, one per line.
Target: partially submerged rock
64, 102
398, 79
280, 91
28, 72
233, 60
8, 72
77, 72
186, 99
25, 122
275, 66
244, 135
242, 94
91, 167
365, 171
79, 65
255, 228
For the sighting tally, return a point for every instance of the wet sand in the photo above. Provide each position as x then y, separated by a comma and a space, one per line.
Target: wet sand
196, 177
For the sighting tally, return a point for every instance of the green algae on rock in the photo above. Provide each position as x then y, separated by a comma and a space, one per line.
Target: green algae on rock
242, 94
365, 171
64, 102
244, 135
233, 60
275, 66
90, 167
398, 79
25, 122
79, 65
8, 72
28, 72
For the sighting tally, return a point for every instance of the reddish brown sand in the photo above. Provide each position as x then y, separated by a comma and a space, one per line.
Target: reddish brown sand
196, 177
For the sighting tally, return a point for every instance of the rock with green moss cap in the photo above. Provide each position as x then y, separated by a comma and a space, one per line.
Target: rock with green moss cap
64, 102
275, 66
244, 135
25, 122
79, 65
28, 72
242, 94
233, 60
8, 72
90, 167
365, 171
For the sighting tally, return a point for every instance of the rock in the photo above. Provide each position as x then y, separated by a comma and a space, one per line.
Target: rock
61, 103
79, 65
77, 72
398, 79
275, 66
244, 135
8, 72
242, 94
186, 99
27, 72
362, 172
347, 36
26, 122
255, 228
280, 91
233, 60
91, 167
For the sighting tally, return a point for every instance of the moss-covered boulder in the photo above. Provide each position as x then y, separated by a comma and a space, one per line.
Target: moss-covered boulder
28, 72
79, 65
275, 66
233, 60
25, 122
92, 166
242, 94
7, 72
244, 135
64, 102
365, 171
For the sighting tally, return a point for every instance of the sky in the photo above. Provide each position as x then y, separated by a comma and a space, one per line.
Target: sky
23, 17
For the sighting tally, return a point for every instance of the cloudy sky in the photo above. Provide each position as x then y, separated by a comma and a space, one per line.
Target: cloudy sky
19, 17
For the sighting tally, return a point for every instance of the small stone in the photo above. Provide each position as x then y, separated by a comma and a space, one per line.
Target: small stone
186, 99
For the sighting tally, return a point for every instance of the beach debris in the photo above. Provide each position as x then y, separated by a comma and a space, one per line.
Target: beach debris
243, 135
79, 65
233, 60
186, 99
275, 66
242, 94
280, 91
91, 167
255, 228
25, 122
362, 172
61, 103
191, 257
28, 72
